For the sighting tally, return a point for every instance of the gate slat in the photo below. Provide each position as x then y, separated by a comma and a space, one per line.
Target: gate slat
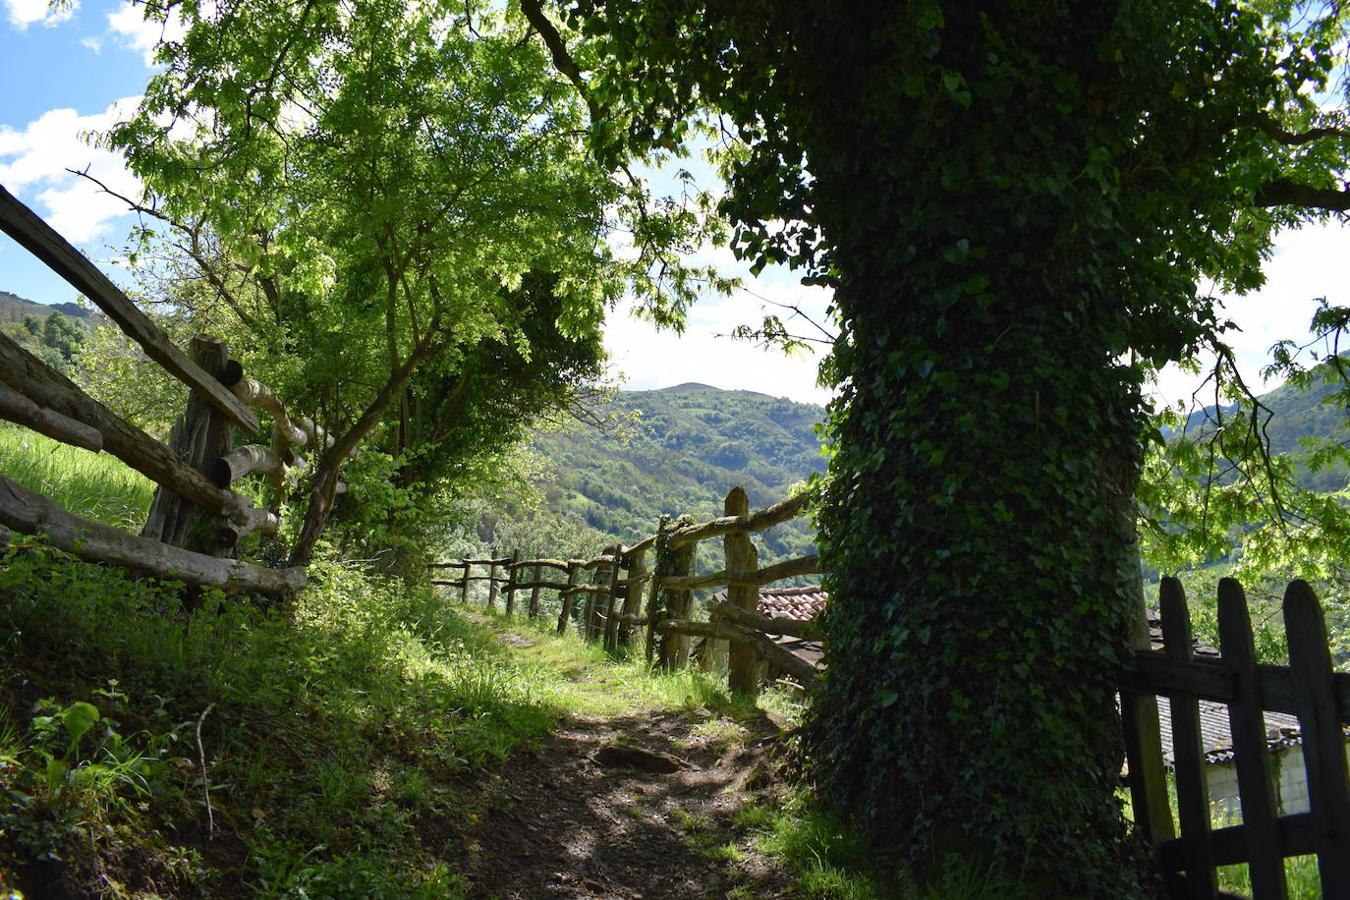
1188, 751
1248, 729
1323, 740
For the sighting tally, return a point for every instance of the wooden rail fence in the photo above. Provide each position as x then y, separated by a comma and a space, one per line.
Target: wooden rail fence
1308, 688
196, 519
612, 588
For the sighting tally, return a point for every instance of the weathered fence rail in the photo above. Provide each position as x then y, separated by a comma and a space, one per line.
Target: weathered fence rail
196, 519
1308, 688
617, 581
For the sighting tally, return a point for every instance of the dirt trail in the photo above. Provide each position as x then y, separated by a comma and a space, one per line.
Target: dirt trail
571, 821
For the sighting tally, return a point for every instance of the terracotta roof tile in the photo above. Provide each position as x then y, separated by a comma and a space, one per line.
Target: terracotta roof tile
800, 604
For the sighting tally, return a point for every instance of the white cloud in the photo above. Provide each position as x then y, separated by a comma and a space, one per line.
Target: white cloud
134, 31
705, 354
34, 160
23, 13
1306, 266
93, 44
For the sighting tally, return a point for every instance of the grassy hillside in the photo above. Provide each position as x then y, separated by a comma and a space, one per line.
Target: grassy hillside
683, 449
96, 486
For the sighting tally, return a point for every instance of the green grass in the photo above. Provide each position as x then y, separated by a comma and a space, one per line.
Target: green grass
96, 486
828, 860
582, 679
1300, 875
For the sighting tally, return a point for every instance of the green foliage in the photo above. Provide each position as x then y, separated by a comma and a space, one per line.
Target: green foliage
390, 215
1256, 482
115, 371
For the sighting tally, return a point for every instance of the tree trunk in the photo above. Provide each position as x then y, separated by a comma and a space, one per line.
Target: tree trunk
324, 483
986, 445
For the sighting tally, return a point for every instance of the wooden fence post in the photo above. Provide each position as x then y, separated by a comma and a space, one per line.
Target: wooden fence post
568, 596
1323, 740
612, 608
199, 438
464, 582
534, 592
655, 610
511, 579
1143, 748
492, 581
1188, 750
679, 601
596, 600
1248, 727
741, 556
632, 599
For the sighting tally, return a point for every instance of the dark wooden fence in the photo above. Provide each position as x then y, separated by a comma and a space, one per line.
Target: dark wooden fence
1308, 688
196, 519
612, 587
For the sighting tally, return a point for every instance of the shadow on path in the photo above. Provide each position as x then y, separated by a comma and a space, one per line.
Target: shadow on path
567, 826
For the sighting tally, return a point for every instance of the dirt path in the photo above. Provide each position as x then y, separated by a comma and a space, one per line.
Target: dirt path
585, 815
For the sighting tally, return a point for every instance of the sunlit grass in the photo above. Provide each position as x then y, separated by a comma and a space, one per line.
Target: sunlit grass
92, 485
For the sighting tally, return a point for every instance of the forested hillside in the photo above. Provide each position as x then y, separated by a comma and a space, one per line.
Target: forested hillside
1296, 412
55, 332
678, 450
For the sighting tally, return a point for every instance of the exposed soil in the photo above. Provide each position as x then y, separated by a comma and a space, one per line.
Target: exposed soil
629, 808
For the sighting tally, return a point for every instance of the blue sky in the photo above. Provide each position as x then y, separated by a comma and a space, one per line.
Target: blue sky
63, 74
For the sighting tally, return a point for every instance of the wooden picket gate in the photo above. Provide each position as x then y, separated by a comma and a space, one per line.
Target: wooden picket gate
1308, 688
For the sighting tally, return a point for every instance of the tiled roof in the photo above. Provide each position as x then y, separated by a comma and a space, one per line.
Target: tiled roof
1216, 736
800, 604
1204, 651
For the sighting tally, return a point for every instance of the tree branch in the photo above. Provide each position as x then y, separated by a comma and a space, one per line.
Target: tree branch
1283, 192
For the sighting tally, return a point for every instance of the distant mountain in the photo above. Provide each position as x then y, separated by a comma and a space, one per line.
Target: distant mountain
1296, 414
681, 450
14, 308
56, 341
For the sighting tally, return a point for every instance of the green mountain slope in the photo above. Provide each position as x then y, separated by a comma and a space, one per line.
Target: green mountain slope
1298, 413
687, 447
54, 332
14, 308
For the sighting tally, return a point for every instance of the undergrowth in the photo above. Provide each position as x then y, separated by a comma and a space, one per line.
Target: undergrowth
340, 737
336, 746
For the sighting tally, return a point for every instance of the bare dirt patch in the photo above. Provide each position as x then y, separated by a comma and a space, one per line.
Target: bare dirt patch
573, 818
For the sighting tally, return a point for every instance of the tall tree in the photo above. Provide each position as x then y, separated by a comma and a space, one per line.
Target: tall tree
1012, 202
362, 190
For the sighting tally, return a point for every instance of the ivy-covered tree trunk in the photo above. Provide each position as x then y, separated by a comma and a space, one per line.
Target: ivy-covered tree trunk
1010, 201
987, 442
